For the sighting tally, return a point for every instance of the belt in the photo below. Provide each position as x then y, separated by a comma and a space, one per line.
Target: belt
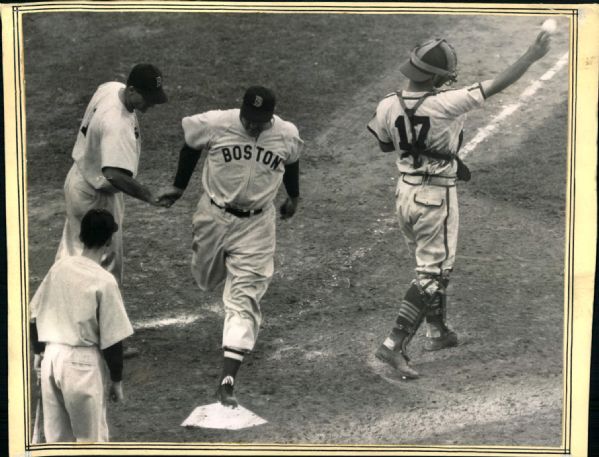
237, 212
415, 180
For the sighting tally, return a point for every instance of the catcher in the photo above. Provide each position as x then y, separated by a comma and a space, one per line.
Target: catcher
78, 321
424, 125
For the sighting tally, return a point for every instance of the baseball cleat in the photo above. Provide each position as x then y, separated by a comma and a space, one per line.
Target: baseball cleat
449, 339
225, 395
397, 360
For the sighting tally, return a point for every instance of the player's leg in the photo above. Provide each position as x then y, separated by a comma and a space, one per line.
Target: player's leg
83, 389
57, 424
250, 265
113, 258
436, 258
428, 219
79, 197
412, 308
210, 227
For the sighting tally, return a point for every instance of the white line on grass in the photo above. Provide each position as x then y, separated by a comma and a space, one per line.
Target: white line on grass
484, 132
179, 321
182, 320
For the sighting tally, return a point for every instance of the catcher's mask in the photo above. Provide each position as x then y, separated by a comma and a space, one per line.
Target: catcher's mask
434, 59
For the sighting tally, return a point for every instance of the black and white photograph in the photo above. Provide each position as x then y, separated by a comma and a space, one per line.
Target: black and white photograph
300, 227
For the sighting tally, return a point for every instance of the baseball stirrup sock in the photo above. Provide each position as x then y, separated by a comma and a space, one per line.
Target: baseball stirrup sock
232, 362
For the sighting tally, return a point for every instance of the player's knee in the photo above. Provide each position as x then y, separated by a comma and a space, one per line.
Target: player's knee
430, 286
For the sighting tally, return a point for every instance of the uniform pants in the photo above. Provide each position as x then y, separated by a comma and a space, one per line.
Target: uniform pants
73, 382
429, 219
239, 251
80, 197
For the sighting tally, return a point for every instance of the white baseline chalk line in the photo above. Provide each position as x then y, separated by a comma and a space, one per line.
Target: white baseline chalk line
484, 132
179, 321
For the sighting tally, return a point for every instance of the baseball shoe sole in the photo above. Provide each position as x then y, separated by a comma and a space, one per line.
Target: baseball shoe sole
225, 396
397, 360
448, 340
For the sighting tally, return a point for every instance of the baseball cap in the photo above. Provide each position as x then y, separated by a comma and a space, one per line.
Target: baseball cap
97, 226
434, 57
258, 104
147, 80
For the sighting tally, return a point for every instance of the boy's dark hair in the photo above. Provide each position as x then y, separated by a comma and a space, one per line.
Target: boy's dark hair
97, 227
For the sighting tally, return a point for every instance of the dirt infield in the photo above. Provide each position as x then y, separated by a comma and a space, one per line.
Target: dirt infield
341, 265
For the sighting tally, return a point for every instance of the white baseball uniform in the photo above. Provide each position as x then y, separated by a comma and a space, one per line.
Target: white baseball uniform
79, 311
426, 197
243, 173
108, 137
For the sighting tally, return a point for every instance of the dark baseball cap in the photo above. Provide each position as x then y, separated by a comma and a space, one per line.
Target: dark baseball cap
434, 57
258, 104
97, 226
147, 80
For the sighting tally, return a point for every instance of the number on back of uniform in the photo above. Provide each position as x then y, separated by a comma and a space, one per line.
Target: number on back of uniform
86, 120
404, 142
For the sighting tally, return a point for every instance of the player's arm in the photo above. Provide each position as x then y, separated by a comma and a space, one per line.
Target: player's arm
123, 180
113, 356
38, 349
291, 183
377, 126
188, 159
511, 74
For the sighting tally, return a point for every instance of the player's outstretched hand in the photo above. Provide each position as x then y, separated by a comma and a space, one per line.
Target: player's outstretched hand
168, 196
540, 47
116, 392
153, 199
288, 208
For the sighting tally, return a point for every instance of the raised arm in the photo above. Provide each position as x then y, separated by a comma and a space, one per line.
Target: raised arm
510, 75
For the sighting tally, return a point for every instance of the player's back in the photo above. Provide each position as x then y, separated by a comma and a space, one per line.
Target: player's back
438, 121
66, 306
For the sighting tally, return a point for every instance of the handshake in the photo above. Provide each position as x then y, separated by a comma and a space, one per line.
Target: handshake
166, 197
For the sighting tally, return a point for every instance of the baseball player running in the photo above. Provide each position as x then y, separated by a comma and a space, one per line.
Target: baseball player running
424, 125
249, 152
78, 321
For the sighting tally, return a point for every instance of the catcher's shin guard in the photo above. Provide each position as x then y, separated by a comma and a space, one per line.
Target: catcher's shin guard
437, 311
439, 336
411, 313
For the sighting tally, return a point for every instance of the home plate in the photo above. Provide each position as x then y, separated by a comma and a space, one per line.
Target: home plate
216, 415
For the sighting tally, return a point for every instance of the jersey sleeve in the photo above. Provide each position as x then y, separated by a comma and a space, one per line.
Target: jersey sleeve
198, 130
458, 102
113, 321
38, 299
118, 145
295, 145
378, 124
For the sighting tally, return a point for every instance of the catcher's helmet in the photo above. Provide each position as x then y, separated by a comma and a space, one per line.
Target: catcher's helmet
434, 58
